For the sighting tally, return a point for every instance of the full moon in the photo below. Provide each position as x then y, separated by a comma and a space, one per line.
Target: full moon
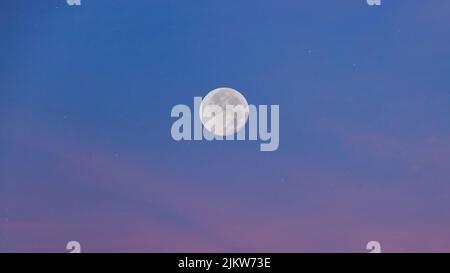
223, 122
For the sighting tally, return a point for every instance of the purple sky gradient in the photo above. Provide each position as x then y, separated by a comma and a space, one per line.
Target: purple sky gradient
86, 152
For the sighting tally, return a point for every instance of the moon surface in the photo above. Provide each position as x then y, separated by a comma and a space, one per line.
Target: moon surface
224, 111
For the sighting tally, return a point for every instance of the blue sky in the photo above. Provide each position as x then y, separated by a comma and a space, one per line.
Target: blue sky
85, 100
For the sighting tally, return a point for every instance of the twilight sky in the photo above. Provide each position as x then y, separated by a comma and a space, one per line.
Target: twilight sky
86, 152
